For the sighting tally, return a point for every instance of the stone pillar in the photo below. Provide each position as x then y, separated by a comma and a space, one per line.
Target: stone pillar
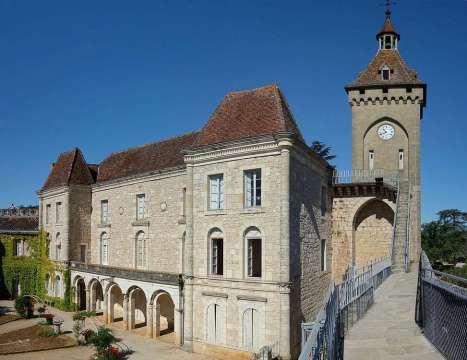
105, 314
110, 308
131, 310
188, 266
88, 299
157, 322
149, 321
284, 344
178, 327
125, 311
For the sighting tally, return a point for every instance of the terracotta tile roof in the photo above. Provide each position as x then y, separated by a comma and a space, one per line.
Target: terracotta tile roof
70, 168
388, 28
251, 113
19, 224
400, 73
143, 159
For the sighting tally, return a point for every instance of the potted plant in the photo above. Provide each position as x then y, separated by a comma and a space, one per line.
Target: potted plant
24, 307
41, 310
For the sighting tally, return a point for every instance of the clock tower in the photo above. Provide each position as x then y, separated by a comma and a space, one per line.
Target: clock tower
387, 101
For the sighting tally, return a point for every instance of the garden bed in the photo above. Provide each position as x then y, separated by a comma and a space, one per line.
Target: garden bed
8, 318
29, 339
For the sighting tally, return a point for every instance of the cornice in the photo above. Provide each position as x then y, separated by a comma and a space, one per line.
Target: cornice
53, 192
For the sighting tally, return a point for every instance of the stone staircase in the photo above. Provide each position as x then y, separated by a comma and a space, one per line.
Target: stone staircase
400, 231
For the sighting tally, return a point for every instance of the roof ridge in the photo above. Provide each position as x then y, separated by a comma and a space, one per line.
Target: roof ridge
151, 143
240, 92
75, 149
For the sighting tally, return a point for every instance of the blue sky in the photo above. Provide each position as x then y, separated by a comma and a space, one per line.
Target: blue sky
108, 75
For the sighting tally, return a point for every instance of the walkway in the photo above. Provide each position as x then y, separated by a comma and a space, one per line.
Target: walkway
388, 330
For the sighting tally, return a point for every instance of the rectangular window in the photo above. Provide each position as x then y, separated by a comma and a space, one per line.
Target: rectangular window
104, 211
324, 200
254, 262
82, 253
140, 206
47, 213
386, 74
18, 248
184, 202
323, 255
401, 159
253, 188
371, 159
58, 252
58, 212
217, 256
216, 192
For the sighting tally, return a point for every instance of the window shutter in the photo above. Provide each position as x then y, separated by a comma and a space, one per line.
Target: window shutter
221, 192
248, 181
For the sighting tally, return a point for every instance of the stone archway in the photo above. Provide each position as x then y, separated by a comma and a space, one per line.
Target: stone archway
97, 296
372, 232
115, 304
80, 287
163, 317
137, 305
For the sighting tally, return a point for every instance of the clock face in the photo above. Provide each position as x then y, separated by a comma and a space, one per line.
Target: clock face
386, 132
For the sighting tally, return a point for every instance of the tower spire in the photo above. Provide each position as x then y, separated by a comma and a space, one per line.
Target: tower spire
388, 37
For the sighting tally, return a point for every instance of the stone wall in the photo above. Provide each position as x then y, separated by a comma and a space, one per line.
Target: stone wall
345, 251
80, 221
161, 224
308, 226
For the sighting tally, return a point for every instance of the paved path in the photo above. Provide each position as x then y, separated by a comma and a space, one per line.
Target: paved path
388, 330
144, 348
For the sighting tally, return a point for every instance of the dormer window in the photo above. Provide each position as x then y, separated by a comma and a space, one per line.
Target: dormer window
386, 72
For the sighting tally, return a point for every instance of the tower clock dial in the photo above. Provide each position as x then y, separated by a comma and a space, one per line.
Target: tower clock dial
386, 132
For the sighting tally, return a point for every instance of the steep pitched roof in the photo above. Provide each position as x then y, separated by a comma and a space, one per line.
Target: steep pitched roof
70, 169
388, 28
19, 224
400, 72
251, 113
143, 159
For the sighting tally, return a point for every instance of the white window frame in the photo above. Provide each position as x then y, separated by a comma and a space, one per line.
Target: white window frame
58, 211
401, 159
323, 255
104, 249
104, 211
216, 192
251, 188
140, 206
253, 235
19, 248
371, 159
48, 208
140, 250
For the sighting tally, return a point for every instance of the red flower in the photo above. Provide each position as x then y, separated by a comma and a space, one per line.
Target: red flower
113, 350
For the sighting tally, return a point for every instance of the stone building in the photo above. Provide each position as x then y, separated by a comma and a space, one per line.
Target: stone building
226, 239
217, 239
371, 218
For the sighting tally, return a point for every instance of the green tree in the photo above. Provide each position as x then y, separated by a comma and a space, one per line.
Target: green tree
322, 150
445, 239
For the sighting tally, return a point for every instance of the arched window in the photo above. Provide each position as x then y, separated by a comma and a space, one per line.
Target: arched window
253, 253
216, 244
58, 287
58, 247
215, 321
251, 330
104, 249
140, 250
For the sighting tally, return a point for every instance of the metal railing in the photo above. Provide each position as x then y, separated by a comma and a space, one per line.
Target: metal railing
407, 231
441, 310
344, 305
365, 175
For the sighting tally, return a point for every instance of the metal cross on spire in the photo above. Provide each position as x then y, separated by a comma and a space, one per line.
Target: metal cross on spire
388, 6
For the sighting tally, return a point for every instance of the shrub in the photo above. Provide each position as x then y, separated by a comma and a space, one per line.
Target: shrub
80, 315
24, 306
102, 340
49, 318
47, 331
41, 310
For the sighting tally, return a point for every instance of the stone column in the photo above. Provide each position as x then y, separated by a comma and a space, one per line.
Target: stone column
105, 313
110, 308
284, 344
125, 311
188, 266
178, 327
149, 321
131, 310
88, 299
157, 322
